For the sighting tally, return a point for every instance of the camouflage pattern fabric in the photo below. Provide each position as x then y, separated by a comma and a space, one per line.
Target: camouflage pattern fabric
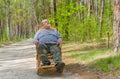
54, 49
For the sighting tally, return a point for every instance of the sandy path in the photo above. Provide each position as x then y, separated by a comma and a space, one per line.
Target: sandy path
17, 61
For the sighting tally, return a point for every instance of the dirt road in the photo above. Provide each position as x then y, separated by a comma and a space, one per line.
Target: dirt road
17, 61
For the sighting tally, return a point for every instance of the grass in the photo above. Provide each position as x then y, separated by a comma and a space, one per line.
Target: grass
110, 64
86, 56
102, 59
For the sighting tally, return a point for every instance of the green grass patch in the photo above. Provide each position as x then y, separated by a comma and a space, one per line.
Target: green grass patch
107, 64
100, 59
86, 56
95, 56
90, 55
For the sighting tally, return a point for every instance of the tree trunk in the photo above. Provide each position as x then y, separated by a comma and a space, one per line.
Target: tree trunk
55, 14
1, 30
90, 7
116, 25
8, 20
96, 10
90, 11
101, 17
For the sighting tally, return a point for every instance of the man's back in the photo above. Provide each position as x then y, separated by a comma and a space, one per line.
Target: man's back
47, 36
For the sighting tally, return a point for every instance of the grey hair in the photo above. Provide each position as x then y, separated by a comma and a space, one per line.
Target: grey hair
44, 20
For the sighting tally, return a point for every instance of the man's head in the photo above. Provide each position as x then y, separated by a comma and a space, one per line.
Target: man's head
46, 24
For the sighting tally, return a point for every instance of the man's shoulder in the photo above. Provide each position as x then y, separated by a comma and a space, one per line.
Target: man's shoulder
54, 29
39, 30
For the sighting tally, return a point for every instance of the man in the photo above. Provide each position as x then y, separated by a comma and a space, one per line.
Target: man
48, 40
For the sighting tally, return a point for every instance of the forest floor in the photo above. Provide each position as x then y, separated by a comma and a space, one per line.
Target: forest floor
17, 61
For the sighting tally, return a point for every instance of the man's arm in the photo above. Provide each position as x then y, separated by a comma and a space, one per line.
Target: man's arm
59, 41
36, 38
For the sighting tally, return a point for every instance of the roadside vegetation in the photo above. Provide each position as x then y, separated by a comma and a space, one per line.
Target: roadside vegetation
93, 55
